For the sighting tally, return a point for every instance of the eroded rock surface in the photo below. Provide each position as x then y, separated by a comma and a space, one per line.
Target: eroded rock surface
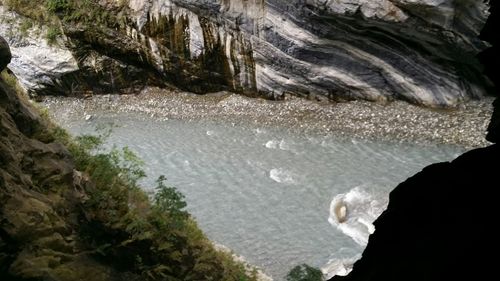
421, 51
438, 223
39, 198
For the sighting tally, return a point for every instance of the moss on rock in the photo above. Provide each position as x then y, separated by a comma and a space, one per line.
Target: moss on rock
68, 214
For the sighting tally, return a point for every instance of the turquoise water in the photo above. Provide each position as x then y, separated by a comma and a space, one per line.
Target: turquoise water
265, 193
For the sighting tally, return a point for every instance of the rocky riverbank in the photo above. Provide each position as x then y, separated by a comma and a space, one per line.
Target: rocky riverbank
394, 121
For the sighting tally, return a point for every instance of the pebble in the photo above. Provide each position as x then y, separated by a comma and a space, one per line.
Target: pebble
395, 121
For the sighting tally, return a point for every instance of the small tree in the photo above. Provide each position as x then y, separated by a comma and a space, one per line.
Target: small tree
304, 272
169, 200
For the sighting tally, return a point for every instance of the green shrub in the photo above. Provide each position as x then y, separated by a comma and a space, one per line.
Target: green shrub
26, 24
55, 6
82, 12
304, 272
11, 80
28, 8
52, 34
155, 239
170, 200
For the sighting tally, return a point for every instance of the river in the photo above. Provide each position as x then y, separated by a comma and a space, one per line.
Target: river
264, 192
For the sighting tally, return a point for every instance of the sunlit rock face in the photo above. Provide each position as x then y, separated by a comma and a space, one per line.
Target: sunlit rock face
375, 50
421, 51
34, 61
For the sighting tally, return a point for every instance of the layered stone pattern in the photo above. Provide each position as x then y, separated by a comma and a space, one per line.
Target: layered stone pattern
421, 51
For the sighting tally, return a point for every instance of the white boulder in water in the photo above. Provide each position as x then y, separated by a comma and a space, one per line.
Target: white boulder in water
339, 267
354, 212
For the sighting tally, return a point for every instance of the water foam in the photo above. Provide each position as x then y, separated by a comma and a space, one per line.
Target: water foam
354, 212
339, 267
282, 176
272, 144
284, 145
276, 144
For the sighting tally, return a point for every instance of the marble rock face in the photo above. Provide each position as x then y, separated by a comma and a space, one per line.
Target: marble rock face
34, 61
421, 51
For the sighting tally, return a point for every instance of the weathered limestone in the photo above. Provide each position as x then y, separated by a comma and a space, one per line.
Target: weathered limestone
34, 61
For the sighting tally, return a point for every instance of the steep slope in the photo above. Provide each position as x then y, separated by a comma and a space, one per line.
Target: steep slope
68, 215
419, 51
39, 197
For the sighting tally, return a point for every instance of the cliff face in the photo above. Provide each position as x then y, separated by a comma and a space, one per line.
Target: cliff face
438, 223
39, 197
420, 51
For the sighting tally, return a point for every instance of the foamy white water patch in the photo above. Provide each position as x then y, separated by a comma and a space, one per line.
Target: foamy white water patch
278, 144
272, 144
282, 176
284, 145
339, 267
354, 212
259, 131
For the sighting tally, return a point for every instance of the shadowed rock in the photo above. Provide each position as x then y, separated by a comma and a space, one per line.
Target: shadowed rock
5, 55
491, 60
439, 223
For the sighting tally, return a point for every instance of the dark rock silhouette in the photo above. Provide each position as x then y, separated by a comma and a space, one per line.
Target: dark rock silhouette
490, 58
5, 55
439, 223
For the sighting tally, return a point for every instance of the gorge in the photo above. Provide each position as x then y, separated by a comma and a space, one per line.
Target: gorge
263, 191
269, 159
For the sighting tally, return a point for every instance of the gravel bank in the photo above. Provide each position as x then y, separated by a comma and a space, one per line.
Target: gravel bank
395, 121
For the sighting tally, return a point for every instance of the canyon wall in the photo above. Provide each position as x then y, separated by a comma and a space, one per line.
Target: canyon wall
438, 223
421, 51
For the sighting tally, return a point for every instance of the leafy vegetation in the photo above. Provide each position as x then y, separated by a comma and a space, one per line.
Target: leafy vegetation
52, 13
25, 25
304, 272
156, 239
76, 11
34, 10
12, 82
52, 34
55, 6
120, 225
